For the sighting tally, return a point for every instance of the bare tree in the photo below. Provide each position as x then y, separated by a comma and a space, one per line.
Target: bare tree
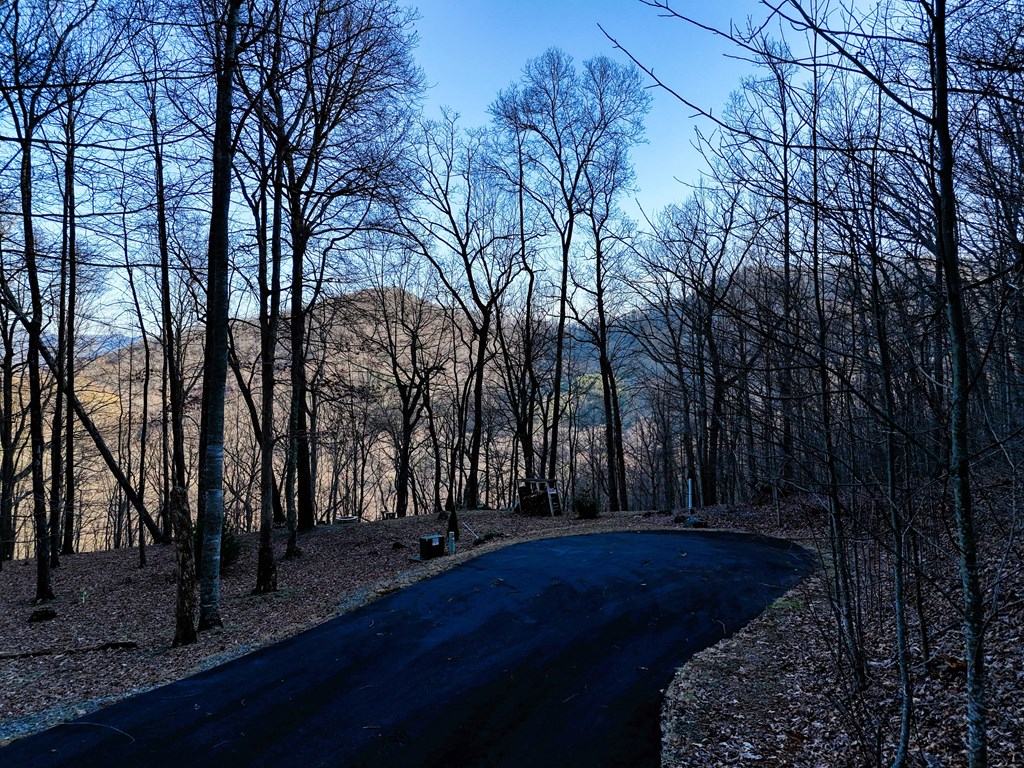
464, 231
407, 333
568, 120
215, 357
10, 432
178, 519
607, 182
341, 98
35, 38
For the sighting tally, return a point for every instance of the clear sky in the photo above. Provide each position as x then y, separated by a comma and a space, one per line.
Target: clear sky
470, 49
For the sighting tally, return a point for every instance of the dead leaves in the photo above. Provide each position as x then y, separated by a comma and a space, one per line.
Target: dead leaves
770, 695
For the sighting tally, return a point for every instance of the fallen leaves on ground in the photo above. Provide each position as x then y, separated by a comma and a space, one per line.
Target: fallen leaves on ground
773, 695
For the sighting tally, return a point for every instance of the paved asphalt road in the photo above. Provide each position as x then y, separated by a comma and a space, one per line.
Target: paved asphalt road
546, 653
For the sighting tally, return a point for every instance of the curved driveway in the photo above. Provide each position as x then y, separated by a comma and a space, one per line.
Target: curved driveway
546, 653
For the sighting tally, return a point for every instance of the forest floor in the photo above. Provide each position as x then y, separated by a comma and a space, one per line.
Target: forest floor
770, 695
774, 693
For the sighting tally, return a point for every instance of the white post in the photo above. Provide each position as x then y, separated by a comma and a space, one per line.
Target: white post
689, 493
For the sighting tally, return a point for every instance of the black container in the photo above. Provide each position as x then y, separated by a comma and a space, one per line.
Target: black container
431, 546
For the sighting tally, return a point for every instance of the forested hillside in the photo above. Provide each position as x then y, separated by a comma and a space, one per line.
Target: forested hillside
423, 311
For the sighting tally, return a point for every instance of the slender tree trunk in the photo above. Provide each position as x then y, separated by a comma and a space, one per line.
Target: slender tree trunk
68, 544
404, 458
898, 529
185, 604
608, 389
472, 497
528, 383
292, 549
146, 375
178, 516
786, 470
714, 424
556, 394
44, 591
270, 302
620, 451
435, 445
668, 454
960, 390
216, 363
300, 437
845, 595
57, 421
165, 444
896, 519
611, 456
7, 478
254, 415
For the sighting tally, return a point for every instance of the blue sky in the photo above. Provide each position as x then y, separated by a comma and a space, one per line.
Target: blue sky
470, 49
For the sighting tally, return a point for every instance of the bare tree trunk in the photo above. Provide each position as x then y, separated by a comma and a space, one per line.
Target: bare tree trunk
245, 390
404, 460
68, 544
435, 445
898, 528
292, 549
57, 421
34, 324
612, 423
960, 391
7, 473
215, 362
270, 303
556, 390
843, 580
896, 519
146, 374
610, 445
300, 436
38, 444
185, 605
178, 516
472, 497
